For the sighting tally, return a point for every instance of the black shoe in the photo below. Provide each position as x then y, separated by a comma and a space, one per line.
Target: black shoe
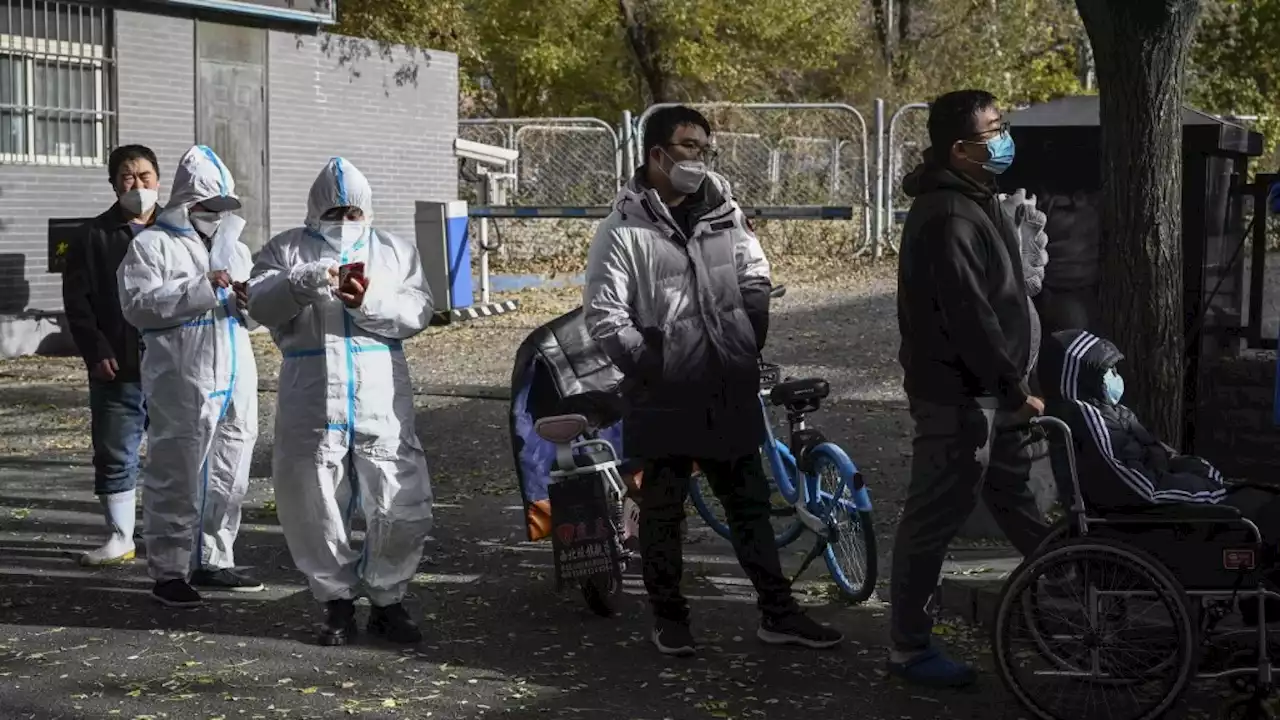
392, 623
340, 625
798, 629
176, 593
672, 638
225, 579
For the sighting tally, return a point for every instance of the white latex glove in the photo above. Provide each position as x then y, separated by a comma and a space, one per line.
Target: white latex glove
312, 281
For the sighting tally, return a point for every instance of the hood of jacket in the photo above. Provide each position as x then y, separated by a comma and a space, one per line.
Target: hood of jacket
339, 184
1072, 363
201, 176
640, 199
931, 176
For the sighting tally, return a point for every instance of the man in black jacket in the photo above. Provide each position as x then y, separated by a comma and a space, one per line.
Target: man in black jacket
966, 327
110, 346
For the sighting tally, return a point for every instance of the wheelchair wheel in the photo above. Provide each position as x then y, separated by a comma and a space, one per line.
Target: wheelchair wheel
1108, 634
1057, 534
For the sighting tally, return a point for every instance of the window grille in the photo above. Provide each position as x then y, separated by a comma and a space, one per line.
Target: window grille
57, 99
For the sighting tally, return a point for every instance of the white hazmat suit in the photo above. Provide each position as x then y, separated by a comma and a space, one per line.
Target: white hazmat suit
345, 440
198, 374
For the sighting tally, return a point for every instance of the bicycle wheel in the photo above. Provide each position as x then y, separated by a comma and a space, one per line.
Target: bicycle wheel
851, 559
782, 516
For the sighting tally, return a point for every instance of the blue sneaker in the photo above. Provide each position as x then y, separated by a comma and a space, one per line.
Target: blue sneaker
933, 669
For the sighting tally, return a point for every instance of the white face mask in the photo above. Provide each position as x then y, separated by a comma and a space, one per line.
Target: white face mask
342, 234
687, 175
139, 201
205, 222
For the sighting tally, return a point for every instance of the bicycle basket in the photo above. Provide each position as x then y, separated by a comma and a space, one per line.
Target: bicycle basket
770, 375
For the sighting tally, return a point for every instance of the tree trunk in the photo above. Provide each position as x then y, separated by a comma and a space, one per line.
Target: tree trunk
1140, 49
636, 19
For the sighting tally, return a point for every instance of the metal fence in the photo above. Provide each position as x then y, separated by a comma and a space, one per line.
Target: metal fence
789, 157
563, 161
907, 137
793, 161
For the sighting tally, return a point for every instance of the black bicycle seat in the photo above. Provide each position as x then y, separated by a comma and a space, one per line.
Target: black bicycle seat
601, 409
794, 392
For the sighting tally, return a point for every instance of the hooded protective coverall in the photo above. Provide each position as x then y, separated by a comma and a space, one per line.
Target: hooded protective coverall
345, 438
198, 374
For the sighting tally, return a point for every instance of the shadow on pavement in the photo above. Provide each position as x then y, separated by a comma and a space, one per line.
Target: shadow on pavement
499, 640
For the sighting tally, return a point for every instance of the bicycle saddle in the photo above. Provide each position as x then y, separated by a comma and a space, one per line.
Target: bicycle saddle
600, 409
792, 391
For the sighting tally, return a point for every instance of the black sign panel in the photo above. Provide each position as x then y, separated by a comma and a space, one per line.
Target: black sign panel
62, 233
317, 11
582, 536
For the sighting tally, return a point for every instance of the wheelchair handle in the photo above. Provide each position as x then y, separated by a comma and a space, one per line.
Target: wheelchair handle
1043, 423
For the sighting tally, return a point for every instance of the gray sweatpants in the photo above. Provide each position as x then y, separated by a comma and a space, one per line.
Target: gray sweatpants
959, 452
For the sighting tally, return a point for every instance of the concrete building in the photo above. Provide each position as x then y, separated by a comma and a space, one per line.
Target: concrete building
259, 81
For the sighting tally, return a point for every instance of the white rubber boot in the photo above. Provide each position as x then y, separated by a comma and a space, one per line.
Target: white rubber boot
119, 509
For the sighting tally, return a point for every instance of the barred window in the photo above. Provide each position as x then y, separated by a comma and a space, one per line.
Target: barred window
56, 81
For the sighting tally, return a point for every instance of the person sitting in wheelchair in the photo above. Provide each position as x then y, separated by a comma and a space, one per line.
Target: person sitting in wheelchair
1120, 464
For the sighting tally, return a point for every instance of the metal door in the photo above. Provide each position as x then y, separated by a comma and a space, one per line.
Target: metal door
231, 115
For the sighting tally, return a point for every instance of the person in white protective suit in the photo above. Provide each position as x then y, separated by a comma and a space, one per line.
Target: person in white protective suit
345, 440
182, 284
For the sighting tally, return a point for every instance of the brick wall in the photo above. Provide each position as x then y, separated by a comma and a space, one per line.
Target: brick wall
157, 88
155, 109
1234, 418
393, 114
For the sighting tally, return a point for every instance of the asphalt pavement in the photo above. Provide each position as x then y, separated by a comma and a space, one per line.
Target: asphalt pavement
77, 643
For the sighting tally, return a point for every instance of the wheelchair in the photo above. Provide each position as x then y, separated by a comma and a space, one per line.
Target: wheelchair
1116, 613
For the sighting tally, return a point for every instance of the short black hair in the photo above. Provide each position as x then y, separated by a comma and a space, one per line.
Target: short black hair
662, 124
129, 153
951, 117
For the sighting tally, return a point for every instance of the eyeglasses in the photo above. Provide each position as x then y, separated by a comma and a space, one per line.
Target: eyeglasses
706, 153
986, 135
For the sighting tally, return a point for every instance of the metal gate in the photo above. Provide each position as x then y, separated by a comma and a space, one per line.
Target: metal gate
570, 161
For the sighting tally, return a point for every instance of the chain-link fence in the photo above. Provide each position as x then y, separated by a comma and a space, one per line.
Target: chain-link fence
563, 161
788, 155
908, 136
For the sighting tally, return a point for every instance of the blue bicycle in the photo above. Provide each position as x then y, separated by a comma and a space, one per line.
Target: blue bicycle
817, 488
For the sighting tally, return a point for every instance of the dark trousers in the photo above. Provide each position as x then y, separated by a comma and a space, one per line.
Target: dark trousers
960, 453
118, 417
744, 492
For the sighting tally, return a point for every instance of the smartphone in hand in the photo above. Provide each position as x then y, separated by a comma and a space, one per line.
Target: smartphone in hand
351, 270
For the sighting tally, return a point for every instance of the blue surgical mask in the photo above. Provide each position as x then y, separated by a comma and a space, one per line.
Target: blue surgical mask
1001, 150
1113, 386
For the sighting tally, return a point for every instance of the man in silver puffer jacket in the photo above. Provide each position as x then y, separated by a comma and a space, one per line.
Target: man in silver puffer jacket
677, 295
